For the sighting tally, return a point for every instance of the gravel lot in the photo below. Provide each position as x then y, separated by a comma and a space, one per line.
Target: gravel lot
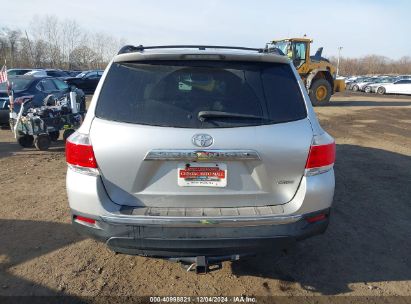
365, 251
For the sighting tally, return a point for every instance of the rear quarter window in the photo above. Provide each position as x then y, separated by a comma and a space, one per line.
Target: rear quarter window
173, 93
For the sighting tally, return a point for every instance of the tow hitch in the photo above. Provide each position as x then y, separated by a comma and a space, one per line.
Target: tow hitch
204, 264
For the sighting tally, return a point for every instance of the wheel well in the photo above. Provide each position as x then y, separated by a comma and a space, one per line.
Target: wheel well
324, 75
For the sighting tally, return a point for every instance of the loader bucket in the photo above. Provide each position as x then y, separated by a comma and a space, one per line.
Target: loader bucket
339, 85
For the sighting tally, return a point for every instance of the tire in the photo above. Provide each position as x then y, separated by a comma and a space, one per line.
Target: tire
54, 135
355, 88
42, 142
26, 141
367, 89
381, 91
67, 133
320, 92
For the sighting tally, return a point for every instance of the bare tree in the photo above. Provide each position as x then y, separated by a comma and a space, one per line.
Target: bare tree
40, 53
84, 57
52, 43
14, 37
9, 40
373, 64
73, 36
4, 45
24, 53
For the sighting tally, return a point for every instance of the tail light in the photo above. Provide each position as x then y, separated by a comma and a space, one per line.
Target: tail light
80, 155
84, 219
321, 159
316, 218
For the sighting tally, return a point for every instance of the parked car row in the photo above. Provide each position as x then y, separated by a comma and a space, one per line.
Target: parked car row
85, 80
383, 84
43, 72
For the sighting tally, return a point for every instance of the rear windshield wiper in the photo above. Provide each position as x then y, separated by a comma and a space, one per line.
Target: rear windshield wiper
203, 115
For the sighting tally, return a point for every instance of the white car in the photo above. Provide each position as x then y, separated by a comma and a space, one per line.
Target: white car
351, 79
399, 87
37, 73
359, 86
372, 87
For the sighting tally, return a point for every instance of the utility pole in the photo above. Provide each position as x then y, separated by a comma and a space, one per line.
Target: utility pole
338, 62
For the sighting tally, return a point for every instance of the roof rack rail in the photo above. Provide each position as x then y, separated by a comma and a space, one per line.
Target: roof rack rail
132, 48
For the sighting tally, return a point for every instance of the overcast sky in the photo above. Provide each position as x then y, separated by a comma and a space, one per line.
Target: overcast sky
361, 27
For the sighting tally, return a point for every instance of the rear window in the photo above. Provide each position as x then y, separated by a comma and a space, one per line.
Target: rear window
19, 84
173, 93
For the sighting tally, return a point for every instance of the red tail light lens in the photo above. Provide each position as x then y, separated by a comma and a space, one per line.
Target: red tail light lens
80, 155
79, 151
84, 219
316, 218
320, 159
321, 156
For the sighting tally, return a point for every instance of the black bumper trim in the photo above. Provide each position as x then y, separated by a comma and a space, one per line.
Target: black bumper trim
166, 242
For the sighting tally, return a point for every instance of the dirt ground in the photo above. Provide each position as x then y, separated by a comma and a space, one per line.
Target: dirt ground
365, 251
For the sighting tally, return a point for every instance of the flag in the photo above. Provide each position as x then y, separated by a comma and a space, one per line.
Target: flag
3, 74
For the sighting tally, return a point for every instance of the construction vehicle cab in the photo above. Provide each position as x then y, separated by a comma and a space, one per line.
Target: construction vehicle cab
317, 73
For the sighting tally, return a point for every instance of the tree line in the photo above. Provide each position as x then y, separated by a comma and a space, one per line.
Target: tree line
64, 44
372, 65
59, 44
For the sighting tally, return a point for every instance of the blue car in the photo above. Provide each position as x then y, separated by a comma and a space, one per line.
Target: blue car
39, 87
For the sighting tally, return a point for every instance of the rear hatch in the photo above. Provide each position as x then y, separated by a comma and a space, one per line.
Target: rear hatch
200, 133
4, 100
19, 84
4, 96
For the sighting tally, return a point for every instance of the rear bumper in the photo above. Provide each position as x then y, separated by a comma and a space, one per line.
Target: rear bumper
173, 240
187, 236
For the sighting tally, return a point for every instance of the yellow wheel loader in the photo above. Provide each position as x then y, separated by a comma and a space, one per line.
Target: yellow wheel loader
317, 73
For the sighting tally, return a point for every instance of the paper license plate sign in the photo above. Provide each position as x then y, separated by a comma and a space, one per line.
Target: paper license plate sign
202, 175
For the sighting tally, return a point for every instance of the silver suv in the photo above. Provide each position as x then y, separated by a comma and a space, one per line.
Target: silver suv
200, 154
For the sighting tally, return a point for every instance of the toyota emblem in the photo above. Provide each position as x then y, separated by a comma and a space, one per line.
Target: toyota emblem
202, 140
